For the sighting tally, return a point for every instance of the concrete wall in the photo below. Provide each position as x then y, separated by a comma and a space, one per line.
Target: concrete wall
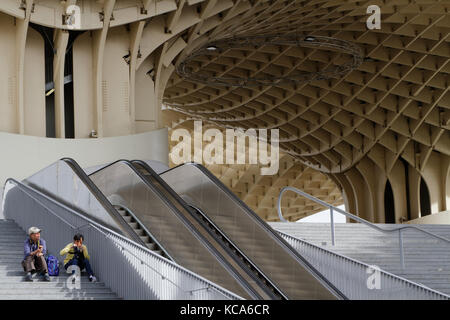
21, 155
8, 75
437, 218
34, 85
84, 109
115, 84
1, 203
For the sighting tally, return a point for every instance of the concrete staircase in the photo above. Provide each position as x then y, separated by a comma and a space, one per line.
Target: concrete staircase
13, 286
427, 260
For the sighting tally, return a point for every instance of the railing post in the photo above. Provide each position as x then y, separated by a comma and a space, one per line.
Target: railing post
332, 226
400, 244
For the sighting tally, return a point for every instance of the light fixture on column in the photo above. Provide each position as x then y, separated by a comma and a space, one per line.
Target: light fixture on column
127, 58
93, 134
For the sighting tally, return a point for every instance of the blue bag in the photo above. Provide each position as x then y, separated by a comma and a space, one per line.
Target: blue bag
52, 266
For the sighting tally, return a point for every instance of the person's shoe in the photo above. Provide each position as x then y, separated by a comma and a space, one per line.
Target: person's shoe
28, 277
46, 277
92, 279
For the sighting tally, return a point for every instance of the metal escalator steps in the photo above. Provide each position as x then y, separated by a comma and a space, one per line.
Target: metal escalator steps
140, 232
127, 218
134, 225
122, 212
151, 245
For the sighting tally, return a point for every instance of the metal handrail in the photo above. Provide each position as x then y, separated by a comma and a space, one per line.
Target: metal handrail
362, 265
108, 233
356, 218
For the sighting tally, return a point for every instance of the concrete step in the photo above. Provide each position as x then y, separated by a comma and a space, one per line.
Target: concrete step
13, 286
12, 238
14, 246
38, 279
12, 259
59, 296
424, 256
55, 289
19, 272
10, 251
18, 281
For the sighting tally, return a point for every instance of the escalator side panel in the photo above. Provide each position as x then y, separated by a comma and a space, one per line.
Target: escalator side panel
248, 271
292, 275
62, 182
161, 218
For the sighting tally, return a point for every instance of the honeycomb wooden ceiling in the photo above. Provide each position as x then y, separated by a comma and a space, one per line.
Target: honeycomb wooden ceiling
261, 192
396, 104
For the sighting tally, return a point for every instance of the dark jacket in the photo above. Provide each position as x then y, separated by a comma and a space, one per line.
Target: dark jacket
30, 246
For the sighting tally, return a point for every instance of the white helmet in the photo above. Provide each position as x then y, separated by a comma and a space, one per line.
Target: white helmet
33, 230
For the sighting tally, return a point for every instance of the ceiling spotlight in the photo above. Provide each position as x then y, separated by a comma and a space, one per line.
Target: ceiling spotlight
127, 58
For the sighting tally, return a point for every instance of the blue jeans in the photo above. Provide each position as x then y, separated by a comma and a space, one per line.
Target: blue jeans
82, 264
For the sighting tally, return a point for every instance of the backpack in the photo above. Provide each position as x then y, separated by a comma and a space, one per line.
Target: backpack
52, 266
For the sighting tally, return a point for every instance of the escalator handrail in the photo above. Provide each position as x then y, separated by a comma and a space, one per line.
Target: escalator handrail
279, 291
191, 228
283, 243
109, 206
101, 198
109, 232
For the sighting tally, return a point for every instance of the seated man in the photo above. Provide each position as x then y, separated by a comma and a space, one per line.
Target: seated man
77, 254
35, 249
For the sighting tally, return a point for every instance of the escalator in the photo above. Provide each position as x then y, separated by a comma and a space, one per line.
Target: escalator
186, 215
139, 229
182, 237
118, 196
249, 271
285, 267
66, 182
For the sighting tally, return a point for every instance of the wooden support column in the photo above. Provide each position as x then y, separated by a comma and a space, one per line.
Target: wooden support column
159, 89
136, 35
61, 40
173, 17
99, 40
21, 39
